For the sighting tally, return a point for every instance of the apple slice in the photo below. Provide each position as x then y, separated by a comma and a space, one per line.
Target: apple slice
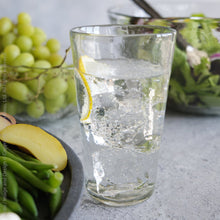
6, 120
38, 142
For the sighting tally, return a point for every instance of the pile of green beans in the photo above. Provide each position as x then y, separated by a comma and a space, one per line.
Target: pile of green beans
23, 180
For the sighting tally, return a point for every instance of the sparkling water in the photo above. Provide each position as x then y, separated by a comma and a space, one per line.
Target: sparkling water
123, 132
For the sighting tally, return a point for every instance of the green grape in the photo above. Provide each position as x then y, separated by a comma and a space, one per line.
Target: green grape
1, 46
23, 46
41, 64
55, 59
54, 105
8, 39
24, 17
25, 59
51, 73
19, 91
51, 109
6, 25
71, 91
36, 109
2, 58
41, 97
38, 30
12, 107
41, 52
24, 43
37, 84
55, 87
1, 78
25, 29
38, 37
11, 52
53, 45
32, 74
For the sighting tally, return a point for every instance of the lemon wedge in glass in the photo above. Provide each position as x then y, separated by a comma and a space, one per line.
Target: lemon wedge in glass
84, 63
88, 70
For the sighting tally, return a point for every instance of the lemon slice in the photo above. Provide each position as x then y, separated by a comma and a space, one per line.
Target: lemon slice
88, 67
84, 63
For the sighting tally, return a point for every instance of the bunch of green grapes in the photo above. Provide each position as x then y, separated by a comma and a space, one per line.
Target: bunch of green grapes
32, 73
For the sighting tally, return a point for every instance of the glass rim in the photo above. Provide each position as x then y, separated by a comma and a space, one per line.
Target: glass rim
179, 19
79, 30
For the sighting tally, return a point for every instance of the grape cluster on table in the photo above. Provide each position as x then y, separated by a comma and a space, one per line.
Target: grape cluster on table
33, 77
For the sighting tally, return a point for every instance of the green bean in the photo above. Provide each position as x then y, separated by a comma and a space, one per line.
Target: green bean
1, 182
10, 151
24, 155
12, 185
4, 208
26, 215
27, 201
27, 186
55, 179
28, 164
44, 174
12, 205
23, 172
4, 179
55, 201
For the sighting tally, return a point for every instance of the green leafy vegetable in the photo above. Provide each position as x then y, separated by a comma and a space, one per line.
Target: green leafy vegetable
197, 85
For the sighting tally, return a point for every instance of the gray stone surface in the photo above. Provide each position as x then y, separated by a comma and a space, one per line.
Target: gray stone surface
188, 183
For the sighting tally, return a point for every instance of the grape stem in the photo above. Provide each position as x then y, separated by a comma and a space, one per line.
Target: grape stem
65, 56
10, 73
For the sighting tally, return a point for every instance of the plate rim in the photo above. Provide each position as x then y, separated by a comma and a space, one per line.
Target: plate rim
75, 191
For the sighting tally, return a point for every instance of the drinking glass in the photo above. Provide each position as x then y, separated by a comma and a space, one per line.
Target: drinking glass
122, 76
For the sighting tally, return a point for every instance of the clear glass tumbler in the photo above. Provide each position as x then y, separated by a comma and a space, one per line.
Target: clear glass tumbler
122, 76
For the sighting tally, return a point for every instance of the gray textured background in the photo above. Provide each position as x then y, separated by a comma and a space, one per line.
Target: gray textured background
57, 17
188, 184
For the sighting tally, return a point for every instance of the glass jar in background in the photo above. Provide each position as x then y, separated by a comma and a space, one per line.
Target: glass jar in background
195, 85
125, 13
37, 94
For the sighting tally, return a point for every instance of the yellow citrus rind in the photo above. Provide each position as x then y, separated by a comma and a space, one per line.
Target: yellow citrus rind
82, 71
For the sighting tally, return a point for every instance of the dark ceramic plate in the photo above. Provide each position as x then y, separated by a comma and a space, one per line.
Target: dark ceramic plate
72, 184
72, 188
